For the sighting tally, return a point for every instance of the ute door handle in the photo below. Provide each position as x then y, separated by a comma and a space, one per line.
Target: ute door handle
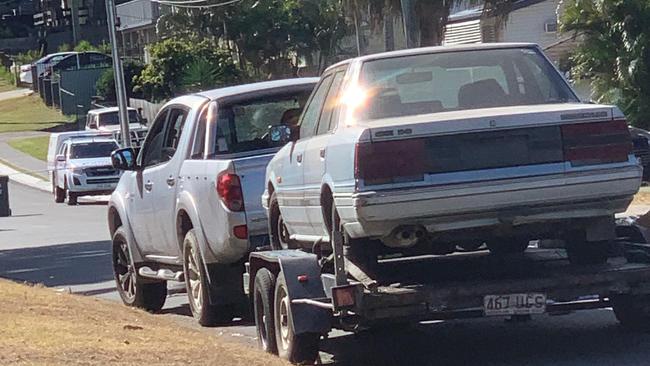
148, 186
171, 181
322, 153
299, 158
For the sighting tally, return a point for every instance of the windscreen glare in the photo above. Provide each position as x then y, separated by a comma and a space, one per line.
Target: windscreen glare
461, 80
113, 119
92, 150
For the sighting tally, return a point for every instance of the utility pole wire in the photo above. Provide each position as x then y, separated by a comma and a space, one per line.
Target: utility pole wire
179, 3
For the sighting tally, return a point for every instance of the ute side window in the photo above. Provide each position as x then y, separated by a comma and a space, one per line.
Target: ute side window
198, 145
314, 107
151, 153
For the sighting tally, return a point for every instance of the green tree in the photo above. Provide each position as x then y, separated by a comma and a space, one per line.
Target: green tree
171, 58
614, 52
84, 46
64, 47
105, 85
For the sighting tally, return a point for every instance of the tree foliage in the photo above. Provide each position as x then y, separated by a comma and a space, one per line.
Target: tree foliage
614, 52
105, 85
170, 60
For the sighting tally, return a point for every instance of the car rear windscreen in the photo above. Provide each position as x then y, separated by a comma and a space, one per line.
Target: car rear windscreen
459, 80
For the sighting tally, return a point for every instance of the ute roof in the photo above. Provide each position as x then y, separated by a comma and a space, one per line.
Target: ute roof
254, 87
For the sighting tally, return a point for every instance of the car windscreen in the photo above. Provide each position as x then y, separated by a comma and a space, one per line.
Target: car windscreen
459, 80
92, 150
244, 126
113, 118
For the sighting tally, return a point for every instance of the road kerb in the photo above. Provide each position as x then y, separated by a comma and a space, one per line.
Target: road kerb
24, 178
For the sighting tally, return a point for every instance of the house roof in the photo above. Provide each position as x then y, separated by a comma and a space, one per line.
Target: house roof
476, 12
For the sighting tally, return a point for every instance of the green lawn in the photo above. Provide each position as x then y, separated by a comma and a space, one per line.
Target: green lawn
34, 146
28, 114
5, 83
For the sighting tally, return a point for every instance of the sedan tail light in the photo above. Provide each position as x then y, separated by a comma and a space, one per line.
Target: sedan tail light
230, 192
596, 143
390, 161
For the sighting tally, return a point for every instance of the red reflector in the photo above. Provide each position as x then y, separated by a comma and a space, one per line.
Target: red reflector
241, 232
344, 296
229, 189
303, 278
381, 162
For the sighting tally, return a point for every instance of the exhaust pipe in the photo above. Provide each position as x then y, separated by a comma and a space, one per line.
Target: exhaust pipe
405, 236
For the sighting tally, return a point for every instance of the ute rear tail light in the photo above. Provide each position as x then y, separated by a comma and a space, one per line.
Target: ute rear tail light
390, 161
596, 143
230, 191
344, 297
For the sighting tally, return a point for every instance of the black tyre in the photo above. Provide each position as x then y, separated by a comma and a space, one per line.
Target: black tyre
507, 246
196, 283
583, 252
134, 290
59, 193
263, 292
633, 312
72, 199
296, 348
278, 233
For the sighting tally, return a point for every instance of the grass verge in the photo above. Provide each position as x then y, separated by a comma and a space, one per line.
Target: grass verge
34, 146
41, 326
7, 82
28, 114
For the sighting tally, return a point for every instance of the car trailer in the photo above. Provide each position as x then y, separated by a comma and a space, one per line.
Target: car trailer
297, 298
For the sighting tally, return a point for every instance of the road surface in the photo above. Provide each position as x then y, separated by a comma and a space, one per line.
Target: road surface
68, 247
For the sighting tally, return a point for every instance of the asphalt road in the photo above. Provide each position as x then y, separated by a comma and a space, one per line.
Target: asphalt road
68, 247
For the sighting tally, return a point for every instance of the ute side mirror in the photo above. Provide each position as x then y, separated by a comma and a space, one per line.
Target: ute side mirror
60, 157
124, 159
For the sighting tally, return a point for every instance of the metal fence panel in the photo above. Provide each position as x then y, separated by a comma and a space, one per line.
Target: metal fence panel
77, 88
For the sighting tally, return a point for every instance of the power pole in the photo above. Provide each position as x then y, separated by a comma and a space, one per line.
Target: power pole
120, 90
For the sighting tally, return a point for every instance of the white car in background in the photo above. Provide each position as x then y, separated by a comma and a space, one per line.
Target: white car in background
83, 167
108, 120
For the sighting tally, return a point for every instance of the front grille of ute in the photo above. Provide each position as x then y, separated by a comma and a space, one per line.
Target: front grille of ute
102, 180
100, 172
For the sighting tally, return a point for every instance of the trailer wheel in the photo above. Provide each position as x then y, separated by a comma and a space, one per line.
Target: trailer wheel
263, 291
296, 348
633, 312
584, 252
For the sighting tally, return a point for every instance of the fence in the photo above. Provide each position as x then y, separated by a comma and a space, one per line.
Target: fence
147, 109
77, 88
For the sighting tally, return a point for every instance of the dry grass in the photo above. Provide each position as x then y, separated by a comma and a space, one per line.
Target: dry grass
34, 146
41, 326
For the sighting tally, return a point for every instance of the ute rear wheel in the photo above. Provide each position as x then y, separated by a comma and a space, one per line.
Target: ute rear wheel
196, 283
296, 348
263, 292
134, 290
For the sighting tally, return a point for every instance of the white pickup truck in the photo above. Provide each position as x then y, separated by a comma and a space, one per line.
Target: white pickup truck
188, 207
436, 149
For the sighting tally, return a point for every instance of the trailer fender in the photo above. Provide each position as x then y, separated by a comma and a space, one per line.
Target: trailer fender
292, 264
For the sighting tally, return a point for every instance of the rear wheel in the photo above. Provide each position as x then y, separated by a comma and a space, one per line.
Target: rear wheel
196, 283
263, 292
633, 312
278, 232
134, 290
296, 348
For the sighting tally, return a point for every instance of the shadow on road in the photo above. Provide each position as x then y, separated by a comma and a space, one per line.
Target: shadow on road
594, 339
59, 265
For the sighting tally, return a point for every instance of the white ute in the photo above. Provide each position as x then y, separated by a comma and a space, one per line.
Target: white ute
433, 150
107, 120
82, 167
188, 207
